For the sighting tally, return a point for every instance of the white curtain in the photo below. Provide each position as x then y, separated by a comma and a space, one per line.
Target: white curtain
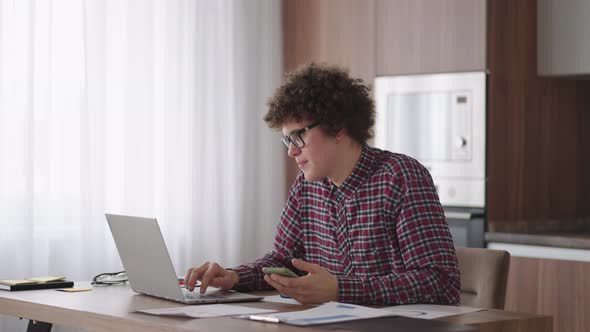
140, 107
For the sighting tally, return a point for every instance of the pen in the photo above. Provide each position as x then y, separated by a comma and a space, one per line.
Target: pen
264, 319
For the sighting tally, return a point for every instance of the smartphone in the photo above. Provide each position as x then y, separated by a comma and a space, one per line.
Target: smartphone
282, 271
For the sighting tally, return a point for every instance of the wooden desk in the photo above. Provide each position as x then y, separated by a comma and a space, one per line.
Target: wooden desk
111, 308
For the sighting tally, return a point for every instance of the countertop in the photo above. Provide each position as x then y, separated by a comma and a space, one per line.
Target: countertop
549, 239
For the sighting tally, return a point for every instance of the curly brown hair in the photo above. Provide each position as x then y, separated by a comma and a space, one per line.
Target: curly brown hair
319, 92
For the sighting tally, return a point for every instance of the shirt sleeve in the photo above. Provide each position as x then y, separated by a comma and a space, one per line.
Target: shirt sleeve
287, 245
431, 269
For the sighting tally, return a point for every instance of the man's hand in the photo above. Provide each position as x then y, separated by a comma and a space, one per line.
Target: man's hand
210, 274
318, 286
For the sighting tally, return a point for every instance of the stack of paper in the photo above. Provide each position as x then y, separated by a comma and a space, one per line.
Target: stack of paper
333, 312
206, 311
46, 279
330, 312
12, 282
429, 311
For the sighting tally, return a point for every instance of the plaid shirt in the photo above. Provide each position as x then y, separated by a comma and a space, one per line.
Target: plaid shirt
382, 233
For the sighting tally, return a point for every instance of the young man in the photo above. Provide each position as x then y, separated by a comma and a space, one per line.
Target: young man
360, 225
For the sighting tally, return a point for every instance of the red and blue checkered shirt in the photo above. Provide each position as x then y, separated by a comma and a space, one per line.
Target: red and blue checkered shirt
382, 233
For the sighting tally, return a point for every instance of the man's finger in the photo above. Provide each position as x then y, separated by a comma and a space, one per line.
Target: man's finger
189, 272
195, 275
271, 282
305, 266
211, 273
285, 281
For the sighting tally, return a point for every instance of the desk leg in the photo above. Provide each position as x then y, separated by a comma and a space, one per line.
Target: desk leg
37, 326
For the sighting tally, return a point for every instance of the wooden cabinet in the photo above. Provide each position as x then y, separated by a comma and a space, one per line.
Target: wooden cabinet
538, 151
338, 32
552, 287
425, 36
563, 48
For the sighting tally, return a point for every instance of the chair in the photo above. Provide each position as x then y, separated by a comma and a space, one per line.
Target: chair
484, 275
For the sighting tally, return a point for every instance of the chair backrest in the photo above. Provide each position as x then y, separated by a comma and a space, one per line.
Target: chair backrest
484, 275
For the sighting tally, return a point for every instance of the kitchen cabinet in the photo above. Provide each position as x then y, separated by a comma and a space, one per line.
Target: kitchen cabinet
562, 43
338, 32
549, 274
538, 152
425, 36
551, 287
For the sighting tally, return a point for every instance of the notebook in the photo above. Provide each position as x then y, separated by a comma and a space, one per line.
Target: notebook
148, 265
28, 284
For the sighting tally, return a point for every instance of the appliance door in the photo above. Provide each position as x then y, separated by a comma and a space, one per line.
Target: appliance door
439, 120
430, 126
466, 226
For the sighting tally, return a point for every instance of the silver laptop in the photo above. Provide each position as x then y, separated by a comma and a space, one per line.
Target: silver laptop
149, 268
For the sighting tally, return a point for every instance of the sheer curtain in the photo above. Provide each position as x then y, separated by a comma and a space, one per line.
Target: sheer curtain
141, 107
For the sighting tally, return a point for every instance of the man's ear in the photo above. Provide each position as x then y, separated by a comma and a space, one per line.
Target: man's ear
341, 134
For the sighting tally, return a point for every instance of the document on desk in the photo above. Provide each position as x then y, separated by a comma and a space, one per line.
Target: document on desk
330, 312
281, 299
206, 311
429, 311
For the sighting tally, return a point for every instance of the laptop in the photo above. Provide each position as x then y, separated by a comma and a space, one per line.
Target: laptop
149, 268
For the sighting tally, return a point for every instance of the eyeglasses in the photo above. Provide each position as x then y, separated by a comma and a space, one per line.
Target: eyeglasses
295, 136
110, 278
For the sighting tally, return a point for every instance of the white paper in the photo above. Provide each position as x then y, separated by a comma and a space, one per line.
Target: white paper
205, 311
280, 299
326, 313
429, 311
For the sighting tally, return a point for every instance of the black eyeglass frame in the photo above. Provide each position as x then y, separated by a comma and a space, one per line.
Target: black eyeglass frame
96, 281
287, 140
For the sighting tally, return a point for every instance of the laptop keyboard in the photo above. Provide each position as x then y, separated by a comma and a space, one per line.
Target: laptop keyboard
197, 296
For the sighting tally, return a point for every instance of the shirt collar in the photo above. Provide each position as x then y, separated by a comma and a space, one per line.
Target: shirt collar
359, 175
